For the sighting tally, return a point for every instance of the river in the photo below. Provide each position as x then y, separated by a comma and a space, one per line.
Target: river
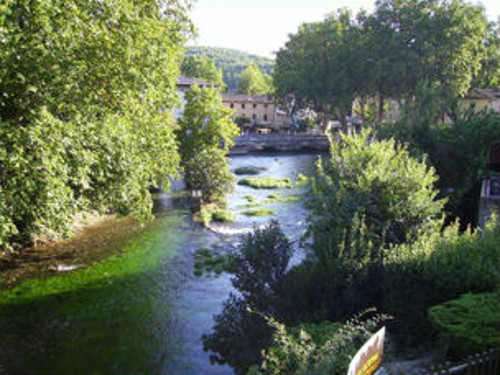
141, 310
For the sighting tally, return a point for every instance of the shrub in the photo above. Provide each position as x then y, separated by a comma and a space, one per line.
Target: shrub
469, 324
366, 198
458, 151
223, 216
438, 267
325, 348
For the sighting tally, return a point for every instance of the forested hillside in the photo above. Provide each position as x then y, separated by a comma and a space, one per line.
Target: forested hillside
232, 62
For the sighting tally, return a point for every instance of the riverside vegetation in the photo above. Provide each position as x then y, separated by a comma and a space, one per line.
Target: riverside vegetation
379, 239
83, 128
86, 129
89, 126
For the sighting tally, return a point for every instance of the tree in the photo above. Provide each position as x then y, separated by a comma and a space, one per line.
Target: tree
208, 171
387, 54
489, 75
240, 331
367, 198
203, 67
435, 43
254, 82
320, 67
232, 62
206, 126
87, 89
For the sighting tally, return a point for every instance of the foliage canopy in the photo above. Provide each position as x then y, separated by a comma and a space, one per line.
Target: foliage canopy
87, 89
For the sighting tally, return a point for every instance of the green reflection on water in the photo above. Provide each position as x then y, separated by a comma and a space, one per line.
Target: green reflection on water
111, 318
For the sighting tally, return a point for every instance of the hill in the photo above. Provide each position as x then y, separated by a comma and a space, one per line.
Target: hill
232, 62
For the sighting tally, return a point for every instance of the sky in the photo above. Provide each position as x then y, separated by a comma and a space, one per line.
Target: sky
262, 27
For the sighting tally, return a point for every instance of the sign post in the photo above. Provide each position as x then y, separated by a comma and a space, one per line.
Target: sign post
367, 360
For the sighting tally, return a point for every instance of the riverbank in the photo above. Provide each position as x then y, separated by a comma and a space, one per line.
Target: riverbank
94, 238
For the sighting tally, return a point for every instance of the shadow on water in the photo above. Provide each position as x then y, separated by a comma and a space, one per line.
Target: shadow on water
113, 318
140, 311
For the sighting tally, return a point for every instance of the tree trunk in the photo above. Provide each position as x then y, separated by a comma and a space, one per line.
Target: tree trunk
380, 107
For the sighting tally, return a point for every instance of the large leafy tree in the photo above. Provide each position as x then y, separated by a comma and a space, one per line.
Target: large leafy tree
438, 42
199, 66
402, 46
254, 82
320, 66
206, 131
86, 89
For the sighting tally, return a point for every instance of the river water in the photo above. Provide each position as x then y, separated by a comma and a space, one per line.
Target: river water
141, 310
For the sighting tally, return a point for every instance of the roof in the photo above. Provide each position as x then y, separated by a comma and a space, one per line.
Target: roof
488, 94
189, 81
247, 98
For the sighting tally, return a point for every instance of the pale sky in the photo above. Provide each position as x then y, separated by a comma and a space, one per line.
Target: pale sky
261, 27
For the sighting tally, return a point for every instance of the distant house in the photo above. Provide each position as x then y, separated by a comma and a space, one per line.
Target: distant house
480, 99
183, 85
260, 110
490, 190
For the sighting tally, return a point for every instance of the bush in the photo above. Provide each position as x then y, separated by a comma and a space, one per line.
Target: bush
459, 153
366, 198
223, 216
469, 324
438, 267
325, 348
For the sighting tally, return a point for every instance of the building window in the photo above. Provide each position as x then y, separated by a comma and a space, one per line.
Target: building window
265, 117
255, 105
231, 105
254, 116
265, 105
242, 105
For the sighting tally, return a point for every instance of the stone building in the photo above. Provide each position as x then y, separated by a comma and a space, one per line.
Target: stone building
260, 110
183, 85
488, 99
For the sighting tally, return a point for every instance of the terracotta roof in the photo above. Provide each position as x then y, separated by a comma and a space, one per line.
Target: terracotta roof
488, 94
246, 98
189, 81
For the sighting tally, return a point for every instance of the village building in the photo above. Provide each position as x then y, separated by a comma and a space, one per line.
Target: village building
481, 99
260, 110
477, 99
184, 84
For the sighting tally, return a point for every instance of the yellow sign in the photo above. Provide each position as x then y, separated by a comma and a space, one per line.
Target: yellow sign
367, 360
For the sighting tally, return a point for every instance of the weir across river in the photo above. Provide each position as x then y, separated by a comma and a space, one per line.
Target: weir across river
253, 142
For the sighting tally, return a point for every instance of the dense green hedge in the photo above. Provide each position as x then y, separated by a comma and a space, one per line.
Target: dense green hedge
440, 266
469, 324
86, 93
